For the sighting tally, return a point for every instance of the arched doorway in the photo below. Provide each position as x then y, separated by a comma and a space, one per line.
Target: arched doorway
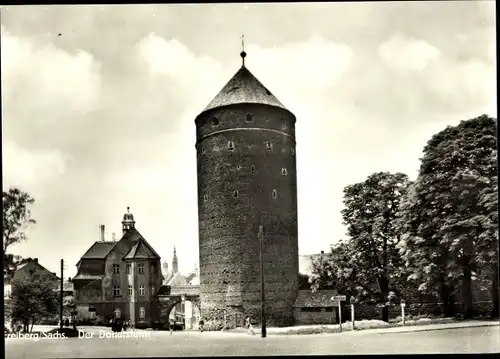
184, 312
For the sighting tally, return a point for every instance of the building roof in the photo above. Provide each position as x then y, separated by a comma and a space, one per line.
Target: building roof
35, 266
318, 299
177, 279
82, 276
142, 250
99, 250
244, 88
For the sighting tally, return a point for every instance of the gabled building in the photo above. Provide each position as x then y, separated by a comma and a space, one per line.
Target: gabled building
119, 279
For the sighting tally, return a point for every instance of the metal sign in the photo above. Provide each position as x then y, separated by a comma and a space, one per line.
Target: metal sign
338, 298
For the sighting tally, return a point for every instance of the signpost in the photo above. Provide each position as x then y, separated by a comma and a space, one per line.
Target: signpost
353, 300
339, 299
403, 305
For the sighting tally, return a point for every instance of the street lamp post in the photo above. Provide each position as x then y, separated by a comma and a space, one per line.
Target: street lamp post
263, 298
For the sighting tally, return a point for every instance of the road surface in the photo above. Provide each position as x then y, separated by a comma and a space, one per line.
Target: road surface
463, 340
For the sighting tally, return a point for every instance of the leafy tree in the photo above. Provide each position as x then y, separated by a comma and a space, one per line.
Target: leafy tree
16, 219
304, 282
450, 219
33, 299
370, 213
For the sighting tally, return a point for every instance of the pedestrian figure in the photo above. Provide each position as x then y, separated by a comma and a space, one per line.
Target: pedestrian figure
202, 323
249, 326
172, 324
66, 322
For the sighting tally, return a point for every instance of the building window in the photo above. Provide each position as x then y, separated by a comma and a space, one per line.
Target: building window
116, 291
269, 145
129, 268
284, 172
142, 313
152, 269
214, 121
153, 290
118, 313
140, 268
252, 169
116, 268
235, 194
92, 315
205, 197
141, 290
249, 117
329, 309
275, 194
130, 291
230, 145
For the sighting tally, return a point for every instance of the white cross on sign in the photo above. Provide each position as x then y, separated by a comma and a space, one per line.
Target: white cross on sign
338, 298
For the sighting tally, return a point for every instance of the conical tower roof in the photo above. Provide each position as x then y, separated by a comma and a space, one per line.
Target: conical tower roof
244, 88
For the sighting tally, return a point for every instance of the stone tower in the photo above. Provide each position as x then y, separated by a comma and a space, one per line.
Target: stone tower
247, 177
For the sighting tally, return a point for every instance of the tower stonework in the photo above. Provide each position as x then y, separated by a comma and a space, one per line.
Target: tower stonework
247, 177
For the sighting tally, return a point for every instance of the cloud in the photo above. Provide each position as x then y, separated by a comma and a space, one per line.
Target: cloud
31, 170
44, 87
191, 77
300, 71
403, 53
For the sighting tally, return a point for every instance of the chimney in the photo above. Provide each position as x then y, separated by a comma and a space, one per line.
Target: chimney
69, 279
102, 233
35, 260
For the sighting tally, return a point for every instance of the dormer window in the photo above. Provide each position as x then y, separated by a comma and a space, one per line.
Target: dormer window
284, 172
249, 117
252, 169
205, 197
230, 145
275, 194
235, 194
269, 145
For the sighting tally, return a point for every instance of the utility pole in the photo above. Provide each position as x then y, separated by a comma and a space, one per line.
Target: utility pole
61, 297
263, 297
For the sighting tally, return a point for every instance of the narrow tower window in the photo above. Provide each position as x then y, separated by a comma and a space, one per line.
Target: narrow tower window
252, 168
249, 117
235, 194
284, 172
269, 145
275, 194
230, 146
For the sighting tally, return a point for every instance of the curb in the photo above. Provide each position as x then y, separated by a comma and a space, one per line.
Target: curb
443, 328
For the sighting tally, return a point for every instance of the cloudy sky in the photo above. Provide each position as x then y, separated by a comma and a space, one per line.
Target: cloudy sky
101, 117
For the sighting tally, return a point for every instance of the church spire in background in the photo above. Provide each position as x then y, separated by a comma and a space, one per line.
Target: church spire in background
175, 263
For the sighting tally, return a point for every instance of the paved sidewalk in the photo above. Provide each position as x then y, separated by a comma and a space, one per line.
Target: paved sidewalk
330, 329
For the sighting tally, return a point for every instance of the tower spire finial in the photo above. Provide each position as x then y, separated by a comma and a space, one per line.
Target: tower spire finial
243, 54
